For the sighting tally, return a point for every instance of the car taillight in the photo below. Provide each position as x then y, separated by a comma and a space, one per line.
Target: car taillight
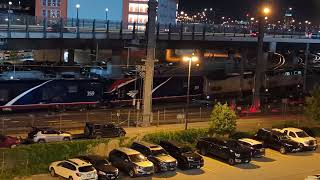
78, 174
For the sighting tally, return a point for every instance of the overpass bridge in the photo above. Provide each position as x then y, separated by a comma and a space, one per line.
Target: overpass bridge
32, 33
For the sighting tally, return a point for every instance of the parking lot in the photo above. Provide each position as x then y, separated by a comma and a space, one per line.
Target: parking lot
274, 166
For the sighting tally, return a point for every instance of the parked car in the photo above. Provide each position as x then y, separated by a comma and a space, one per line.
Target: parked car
131, 161
186, 157
73, 169
160, 158
305, 141
256, 147
277, 140
102, 165
313, 177
43, 135
230, 150
108, 130
8, 141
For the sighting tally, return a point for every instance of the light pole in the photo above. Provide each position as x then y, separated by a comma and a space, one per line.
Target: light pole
9, 19
107, 10
188, 59
260, 59
77, 7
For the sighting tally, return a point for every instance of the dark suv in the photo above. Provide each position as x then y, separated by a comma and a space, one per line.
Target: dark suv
187, 159
103, 130
277, 140
230, 150
161, 160
104, 168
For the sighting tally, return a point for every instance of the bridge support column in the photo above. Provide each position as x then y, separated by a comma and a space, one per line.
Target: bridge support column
273, 47
306, 63
70, 56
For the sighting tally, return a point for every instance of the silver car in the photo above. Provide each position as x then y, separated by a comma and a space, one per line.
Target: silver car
43, 135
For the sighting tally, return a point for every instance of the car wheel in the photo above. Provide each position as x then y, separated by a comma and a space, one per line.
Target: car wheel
203, 151
231, 161
283, 150
13, 146
41, 141
131, 173
70, 178
53, 172
66, 139
98, 136
122, 134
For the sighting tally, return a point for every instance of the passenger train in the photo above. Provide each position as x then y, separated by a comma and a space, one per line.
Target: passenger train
31, 93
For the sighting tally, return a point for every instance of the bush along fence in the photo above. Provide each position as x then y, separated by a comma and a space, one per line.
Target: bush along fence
35, 159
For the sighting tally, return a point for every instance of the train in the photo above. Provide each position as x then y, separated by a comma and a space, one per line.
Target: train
24, 93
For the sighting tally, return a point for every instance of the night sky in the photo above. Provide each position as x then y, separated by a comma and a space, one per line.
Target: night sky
303, 9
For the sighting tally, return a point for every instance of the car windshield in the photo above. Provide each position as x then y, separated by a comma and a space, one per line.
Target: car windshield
302, 134
86, 169
137, 158
185, 149
159, 152
233, 144
103, 161
284, 137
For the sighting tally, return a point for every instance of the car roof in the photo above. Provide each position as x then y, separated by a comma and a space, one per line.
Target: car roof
293, 129
149, 145
78, 162
250, 141
92, 157
127, 151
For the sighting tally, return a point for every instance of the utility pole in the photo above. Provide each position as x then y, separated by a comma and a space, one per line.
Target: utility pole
306, 62
149, 63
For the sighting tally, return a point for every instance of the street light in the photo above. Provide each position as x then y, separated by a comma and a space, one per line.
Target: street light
107, 10
265, 11
189, 59
77, 7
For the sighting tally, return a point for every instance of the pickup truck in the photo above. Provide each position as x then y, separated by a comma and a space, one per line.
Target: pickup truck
305, 141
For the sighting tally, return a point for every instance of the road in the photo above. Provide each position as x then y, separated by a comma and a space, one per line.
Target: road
274, 166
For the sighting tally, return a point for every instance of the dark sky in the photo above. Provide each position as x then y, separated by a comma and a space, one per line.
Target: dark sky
304, 9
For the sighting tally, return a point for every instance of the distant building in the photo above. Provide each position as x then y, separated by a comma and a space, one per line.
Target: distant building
22, 7
51, 8
136, 11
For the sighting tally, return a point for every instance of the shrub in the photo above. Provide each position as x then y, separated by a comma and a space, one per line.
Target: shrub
312, 107
189, 136
222, 120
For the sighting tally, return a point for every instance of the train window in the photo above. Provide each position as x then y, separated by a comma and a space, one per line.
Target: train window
4, 95
72, 89
287, 73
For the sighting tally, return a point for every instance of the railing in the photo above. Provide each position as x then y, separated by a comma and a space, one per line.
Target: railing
60, 27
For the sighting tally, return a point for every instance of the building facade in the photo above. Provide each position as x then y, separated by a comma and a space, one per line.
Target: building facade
136, 11
51, 8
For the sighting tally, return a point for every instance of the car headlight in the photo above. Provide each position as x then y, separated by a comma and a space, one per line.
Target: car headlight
139, 168
236, 154
289, 145
190, 158
102, 173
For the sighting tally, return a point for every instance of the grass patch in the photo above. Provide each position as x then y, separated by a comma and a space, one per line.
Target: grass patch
35, 159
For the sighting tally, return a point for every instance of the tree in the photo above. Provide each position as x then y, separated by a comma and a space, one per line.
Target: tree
312, 107
222, 120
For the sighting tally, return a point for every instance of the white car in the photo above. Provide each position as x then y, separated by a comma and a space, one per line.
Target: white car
306, 142
73, 169
43, 135
314, 177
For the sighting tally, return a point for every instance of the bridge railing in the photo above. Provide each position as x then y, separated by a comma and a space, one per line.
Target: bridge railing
29, 24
